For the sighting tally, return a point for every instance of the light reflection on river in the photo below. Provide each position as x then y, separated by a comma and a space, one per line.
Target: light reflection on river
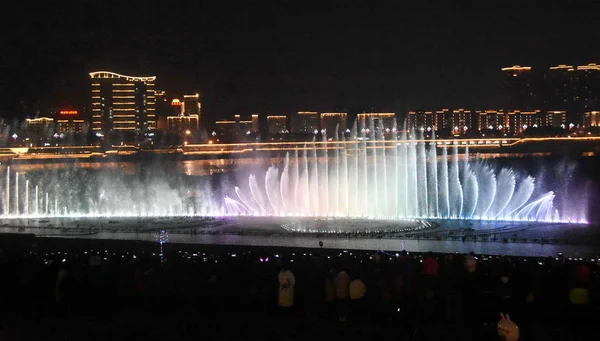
488, 248
204, 167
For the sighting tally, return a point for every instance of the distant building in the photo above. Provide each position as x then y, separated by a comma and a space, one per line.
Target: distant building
277, 124
441, 120
420, 120
556, 118
591, 119
518, 121
122, 104
386, 119
225, 129
519, 88
587, 92
332, 120
191, 105
558, 88
243, 128
305, 122
163, 107
183, 124
494, 120
70, 122
462, 122
39, 130
255, 123
237, 129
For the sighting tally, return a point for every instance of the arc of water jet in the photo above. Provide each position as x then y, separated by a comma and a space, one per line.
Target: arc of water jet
272, 188
521, 196
238, 192
505, 175
256, 193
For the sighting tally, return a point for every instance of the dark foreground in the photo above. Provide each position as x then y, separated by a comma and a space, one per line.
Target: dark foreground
121, 290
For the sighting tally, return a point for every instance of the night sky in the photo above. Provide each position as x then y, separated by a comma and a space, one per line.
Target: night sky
286, 56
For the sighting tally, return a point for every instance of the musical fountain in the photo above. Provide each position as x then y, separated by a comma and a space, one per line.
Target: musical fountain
404, 179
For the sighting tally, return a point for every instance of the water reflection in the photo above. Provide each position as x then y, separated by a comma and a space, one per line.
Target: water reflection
490, 248
212, 166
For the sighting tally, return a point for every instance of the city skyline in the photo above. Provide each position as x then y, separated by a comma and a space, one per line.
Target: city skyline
273, 58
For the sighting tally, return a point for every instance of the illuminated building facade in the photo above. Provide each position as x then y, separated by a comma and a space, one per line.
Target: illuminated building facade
420, 120
462, 121
122, 104
163, 107
277, 124
558, 87
70, 122
441, 120
386, 119
39, 130
191, 105
305, 122
243, 128
182, 124
255, 123
225, 129
556, 118
587, 97
332, 120
519, 88
591, 119
491, 120
518, 121
237, 130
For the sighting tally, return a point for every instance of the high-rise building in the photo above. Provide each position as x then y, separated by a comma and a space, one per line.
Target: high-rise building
70, 122
238, 129
243, 128
520, 88
255, 123
492, 120
441, 120
277, 124
386, 119
122, 103
420, 120
191, 105
332, 120
305, 122
39, 130
462, 121
558, 87
556, 118
183, 124
591, 119
163, 107
518, 121
587, 92
225, 129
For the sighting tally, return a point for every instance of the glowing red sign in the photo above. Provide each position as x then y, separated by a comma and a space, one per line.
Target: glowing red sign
68, 112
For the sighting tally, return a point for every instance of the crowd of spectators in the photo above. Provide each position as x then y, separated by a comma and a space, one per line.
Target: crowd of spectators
261, 293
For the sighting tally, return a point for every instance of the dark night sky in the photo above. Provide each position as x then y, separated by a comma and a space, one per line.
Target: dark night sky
285, 56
